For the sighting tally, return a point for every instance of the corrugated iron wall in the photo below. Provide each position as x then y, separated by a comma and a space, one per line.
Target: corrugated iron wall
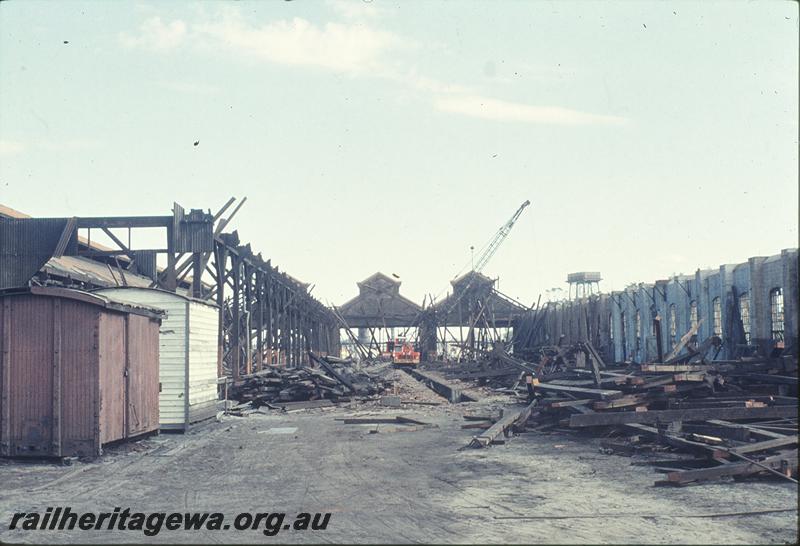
621, 324
80, 386
28, 408
26, 245
63, 384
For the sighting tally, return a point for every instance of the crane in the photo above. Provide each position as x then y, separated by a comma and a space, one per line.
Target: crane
489, 249
498, 239
486, 254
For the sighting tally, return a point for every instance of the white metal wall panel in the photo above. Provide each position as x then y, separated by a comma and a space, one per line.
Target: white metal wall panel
172, 348
203, 332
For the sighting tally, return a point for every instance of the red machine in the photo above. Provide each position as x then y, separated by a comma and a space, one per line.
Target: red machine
403, 352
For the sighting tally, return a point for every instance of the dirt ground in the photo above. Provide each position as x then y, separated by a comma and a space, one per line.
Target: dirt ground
392, 486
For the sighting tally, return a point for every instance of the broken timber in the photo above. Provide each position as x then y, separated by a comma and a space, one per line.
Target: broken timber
684, 340
667, 416
504, 425
380, 420
776, 463
440, 387
328, 368
601, 394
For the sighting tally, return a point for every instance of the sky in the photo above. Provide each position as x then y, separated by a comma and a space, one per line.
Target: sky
652, 138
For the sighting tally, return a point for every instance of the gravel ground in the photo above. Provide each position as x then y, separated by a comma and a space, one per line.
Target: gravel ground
392, 486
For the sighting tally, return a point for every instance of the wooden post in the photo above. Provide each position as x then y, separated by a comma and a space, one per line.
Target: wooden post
220, 260
236, 337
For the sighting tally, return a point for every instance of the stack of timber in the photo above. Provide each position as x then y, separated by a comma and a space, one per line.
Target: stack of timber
694, 417
332, 379
489, 372
735, 418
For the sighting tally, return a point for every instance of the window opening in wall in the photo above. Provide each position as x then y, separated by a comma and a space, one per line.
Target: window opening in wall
744, 313
611, 327
597, 330
673, 326
693, 314
716, 306
637, 328
776, 313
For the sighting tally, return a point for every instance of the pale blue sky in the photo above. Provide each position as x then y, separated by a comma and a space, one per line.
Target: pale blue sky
651, 138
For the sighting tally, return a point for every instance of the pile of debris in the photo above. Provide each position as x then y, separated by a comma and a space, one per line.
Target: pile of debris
334, 379
703, 419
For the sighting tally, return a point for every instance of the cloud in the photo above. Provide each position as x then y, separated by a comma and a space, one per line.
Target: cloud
10, 147
342, 47
156, 35
500, 110
353, 46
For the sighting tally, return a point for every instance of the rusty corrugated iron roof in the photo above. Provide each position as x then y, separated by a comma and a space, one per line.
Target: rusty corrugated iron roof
85, 297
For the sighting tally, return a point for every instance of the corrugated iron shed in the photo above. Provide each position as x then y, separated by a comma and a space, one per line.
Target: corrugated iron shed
76, 371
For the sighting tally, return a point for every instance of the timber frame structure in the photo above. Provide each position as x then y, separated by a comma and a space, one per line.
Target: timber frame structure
266, 316
477, 306
479, 313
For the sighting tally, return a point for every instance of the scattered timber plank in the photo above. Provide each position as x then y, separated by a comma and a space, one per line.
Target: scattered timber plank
570, 403
478, 418
408, 420
379, 420
678, 442
765, 445
691, 462
736, 469
653, 383
711, 403
328, 368
767, 378
594, 354
367, 420
666, 416
572, 382
674, 368
689, 376
630, 400
732, 433
706, 439
306, 404
442, 388
587, 382
604, 374
601, 394
753, 430
482, 374
503, 426
503, 357
684, 340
